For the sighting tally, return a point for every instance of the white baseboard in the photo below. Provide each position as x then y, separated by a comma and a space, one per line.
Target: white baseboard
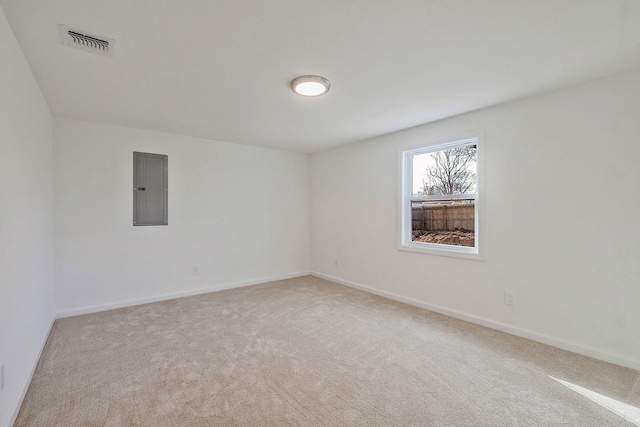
173, 295
555, 342
544, 339
17, 404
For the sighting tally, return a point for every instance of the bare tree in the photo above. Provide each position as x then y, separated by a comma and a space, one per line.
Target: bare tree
453, 173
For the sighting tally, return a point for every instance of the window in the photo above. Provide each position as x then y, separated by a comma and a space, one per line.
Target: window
440, 200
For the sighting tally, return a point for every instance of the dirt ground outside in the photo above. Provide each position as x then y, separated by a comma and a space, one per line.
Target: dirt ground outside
456, 237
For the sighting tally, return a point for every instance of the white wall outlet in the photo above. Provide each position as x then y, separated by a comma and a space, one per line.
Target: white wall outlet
1, 377
196, 270
336, 262
509, 298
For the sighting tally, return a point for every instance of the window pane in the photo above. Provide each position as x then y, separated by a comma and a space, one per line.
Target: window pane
451, 171
445, 223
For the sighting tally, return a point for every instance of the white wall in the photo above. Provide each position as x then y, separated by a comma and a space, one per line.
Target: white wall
26, 232
240, 213
562, 229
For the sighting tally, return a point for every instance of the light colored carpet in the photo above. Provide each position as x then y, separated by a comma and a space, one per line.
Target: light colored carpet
312, 353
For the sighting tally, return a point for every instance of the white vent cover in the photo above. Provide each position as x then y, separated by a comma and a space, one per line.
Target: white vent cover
87, 42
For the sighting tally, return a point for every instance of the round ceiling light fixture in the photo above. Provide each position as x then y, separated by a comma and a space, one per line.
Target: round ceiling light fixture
310, 85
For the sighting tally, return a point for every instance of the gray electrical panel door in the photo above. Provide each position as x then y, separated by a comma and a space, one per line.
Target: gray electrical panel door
150, 189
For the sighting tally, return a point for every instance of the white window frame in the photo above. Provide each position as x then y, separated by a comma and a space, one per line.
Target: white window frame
406, 198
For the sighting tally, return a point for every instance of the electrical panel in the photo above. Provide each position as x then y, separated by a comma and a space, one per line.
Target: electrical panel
150, 189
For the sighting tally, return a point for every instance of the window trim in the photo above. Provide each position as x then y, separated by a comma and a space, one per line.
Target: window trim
406, 198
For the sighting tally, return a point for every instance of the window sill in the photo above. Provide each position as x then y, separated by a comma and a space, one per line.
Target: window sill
463, 252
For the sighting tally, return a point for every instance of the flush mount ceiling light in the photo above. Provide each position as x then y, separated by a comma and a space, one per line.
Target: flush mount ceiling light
310, 85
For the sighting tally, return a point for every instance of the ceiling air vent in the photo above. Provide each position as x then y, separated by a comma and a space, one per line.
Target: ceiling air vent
87, 42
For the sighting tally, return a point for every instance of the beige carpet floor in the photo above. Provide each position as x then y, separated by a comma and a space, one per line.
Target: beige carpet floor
309, 352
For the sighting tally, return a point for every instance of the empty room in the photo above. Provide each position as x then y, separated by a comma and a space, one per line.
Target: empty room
319, 213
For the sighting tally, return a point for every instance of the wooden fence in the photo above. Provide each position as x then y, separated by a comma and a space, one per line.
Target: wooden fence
443, 217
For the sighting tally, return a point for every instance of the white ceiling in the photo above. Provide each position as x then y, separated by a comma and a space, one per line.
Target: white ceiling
220, 69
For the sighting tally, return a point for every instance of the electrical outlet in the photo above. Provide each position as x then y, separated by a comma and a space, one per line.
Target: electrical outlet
336, 262
509, 298
196, 270
1, 377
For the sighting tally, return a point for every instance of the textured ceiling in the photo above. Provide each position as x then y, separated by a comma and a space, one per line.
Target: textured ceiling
220, 69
